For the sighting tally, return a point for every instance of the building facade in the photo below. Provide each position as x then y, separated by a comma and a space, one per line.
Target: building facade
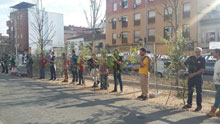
125, 23
209, 24
161, 23
73, 31
24, 35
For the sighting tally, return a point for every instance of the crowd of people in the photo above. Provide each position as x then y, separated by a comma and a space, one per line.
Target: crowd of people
7, 63
99, 71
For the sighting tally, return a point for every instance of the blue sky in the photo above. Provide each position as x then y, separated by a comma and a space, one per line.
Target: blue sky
72, 10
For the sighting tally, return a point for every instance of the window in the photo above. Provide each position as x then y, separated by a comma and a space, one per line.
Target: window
186, 10
151, 35
167, 32
137, 36
152, 0
137, 19
115, 6
138, 2
114, 37
168, 13
124, 21
151, 18
114, 23
186, 31
21, 36
210, 36
124, 37
125, 4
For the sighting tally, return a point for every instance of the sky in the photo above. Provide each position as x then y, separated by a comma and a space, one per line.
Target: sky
71, 9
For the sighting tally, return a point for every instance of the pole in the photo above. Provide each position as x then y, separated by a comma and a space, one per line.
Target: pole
146, 22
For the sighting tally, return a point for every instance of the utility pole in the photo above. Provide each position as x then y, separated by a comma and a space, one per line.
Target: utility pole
146, 23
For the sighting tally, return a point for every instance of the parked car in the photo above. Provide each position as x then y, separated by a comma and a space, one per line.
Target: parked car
209, 67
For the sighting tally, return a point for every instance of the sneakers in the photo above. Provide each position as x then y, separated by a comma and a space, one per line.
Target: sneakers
121, 92
114, 91
144, 98
140, 97
198, 108
187, 106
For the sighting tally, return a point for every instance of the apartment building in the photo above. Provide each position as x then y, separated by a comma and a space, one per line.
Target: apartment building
209, 24
125, 24
22, 33
18, 27
159, 26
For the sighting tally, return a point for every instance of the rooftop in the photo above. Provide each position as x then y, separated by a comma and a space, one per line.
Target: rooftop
22, 5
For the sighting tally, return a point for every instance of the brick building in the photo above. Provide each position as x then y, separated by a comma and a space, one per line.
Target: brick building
125, 23
23, 29
4, 45
72, 31
18, 27
159, 26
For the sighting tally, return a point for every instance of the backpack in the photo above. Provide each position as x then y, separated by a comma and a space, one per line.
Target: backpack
150, 64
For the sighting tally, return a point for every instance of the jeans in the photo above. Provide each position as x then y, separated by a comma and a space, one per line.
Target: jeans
75, 75
52, 72
195, 82
42, 72
104, 82
81, 79
6, 69
117, 77
29, 71
217, 96
3, 68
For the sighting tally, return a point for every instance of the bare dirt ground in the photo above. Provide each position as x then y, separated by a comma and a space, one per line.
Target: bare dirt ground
132, 91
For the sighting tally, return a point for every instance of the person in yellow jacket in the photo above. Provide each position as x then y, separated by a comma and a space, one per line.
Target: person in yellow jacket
143, 74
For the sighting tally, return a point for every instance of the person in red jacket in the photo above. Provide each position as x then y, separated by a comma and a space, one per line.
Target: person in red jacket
43, 62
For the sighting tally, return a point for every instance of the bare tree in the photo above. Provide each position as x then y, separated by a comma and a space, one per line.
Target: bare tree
43, 30
93, 17
173, 8
176, 43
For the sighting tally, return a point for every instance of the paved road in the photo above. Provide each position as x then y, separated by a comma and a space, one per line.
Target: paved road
23, 101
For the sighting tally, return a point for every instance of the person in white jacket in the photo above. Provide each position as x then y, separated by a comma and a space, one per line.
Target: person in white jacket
216, 79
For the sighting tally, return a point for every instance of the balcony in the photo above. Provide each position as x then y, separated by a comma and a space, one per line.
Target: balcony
124, 40
186, 14
151, 38
113, 25
124, 24
8, 23
151, 20
168, 17
186, 35
113, 41
137, 22
8, 31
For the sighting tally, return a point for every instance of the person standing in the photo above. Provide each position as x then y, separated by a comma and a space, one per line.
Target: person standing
52, 67
216, 79
196, 66
29, 65
65, 67
103, 72
2, 64
93, 64
81, 71
74, 66
43, 62
6, 62
143, 74
117, 71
